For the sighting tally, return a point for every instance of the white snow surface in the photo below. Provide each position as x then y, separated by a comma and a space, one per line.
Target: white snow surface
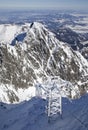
8, 32
31, 115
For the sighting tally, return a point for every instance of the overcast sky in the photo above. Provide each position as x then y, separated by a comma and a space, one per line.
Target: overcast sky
53, 4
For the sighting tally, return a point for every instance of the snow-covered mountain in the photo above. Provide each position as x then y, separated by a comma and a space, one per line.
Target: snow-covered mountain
30, 54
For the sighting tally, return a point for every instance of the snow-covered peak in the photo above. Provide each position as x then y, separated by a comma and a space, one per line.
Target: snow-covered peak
35, 56
8, 32
38, 31
38, 26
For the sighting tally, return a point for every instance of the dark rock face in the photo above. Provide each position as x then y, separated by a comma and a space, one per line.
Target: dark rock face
74, 39
39, 56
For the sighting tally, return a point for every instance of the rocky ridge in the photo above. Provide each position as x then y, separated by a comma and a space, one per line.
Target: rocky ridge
34, 54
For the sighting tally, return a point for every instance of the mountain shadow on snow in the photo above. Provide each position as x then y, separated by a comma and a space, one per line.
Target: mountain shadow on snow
18, 38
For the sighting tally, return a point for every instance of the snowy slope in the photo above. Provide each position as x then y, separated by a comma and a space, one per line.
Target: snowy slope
19, 95
7, 32
34, 54
31, 115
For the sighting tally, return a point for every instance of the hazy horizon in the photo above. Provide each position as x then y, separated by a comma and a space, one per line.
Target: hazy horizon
44, 4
